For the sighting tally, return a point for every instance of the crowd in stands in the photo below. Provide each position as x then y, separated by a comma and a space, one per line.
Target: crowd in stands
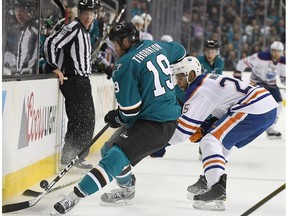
205, 22
255, 28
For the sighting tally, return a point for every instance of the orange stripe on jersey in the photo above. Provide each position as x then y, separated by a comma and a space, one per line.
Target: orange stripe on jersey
255, 95
198, 86
213, 161
219, 132
187, 125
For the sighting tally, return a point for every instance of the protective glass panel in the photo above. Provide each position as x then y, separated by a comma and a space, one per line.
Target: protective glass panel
20, 37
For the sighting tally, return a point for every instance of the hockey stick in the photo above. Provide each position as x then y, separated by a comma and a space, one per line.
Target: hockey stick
256, 206
63, 13
34, 193
61, 7
101, 42
29, 203
273, 87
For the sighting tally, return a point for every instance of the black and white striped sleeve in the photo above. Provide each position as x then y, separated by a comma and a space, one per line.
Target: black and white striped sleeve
55, 42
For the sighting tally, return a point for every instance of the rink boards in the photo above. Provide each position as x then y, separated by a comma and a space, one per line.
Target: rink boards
34, 125
33, 128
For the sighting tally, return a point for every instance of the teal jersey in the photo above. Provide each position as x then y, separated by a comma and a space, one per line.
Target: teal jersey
216, 68
94, 32
180, 94
143, 82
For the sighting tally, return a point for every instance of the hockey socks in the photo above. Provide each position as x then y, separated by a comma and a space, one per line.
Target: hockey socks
110, 166
124, 178
94, 180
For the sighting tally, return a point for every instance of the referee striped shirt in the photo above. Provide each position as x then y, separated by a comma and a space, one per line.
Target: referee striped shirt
27, 48
69, 50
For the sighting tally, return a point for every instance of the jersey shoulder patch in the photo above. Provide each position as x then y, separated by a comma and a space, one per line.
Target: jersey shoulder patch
283, 60
194, 86
264, 56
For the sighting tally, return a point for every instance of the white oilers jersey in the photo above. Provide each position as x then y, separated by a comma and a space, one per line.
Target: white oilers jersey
264, 70
218, 95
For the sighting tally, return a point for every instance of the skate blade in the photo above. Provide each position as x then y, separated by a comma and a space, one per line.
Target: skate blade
215, 205
191, 195
119, 203
274, 137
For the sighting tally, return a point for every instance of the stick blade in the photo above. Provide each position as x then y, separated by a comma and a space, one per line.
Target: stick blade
15, 206
31, 193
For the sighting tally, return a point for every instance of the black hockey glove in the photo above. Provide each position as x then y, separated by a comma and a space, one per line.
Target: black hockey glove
108, 71
113, 118
102, 68
203, 129
207, 124
237, 75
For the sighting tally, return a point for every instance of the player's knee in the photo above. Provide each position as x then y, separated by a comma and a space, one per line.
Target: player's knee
114, 161
105, 148
210, 145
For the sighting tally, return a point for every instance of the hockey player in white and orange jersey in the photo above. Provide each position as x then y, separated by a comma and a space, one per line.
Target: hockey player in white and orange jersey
243, 112
266, 66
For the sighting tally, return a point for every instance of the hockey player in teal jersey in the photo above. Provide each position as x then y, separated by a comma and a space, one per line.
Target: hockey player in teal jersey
210, 61
147, 107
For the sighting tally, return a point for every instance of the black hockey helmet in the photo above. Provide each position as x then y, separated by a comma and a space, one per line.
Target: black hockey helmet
124, 30
24, 3
88, 5
29, 5
211, 44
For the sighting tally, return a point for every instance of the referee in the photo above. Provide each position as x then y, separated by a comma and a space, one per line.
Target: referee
24, 12
68, 55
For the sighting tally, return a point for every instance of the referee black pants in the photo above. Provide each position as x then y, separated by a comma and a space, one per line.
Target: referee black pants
81, 116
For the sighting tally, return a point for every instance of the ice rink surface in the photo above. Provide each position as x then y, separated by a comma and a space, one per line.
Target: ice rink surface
253, 172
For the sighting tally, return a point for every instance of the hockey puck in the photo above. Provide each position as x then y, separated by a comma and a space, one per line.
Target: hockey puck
43, 184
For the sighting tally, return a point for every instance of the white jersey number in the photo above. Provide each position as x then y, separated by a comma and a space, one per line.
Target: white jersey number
238, 88
158, 88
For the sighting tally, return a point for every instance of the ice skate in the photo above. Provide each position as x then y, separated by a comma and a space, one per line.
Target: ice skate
273, 134
67, 203
81, 166
199, 187
213, 198
119, 197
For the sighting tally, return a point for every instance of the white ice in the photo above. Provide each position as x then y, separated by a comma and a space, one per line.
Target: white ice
254, 172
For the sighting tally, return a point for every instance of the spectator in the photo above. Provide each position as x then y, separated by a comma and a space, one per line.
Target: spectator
231, 61
167, 38
138, 21
70, 14
145, 31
